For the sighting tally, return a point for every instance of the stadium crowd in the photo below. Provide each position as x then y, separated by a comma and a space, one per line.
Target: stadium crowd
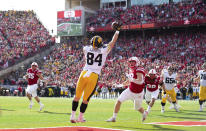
22, 40
137, 14
185, 50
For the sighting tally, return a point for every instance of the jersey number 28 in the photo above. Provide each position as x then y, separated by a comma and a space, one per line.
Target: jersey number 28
91, 59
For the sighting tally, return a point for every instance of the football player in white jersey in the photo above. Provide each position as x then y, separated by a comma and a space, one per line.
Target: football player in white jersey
202, 80
95, 56
169, 80
194, 88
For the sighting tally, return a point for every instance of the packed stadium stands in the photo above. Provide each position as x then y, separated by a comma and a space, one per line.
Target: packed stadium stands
22, 40
184, 48
194, 9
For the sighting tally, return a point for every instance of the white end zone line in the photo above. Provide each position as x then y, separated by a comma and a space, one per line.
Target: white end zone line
62, 127
159, 123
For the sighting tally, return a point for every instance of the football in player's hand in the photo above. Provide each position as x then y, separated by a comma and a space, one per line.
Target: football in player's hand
116, 26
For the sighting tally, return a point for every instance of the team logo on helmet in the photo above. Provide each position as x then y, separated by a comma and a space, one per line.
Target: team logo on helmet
152, 71
136, 60
34, 63
96, 41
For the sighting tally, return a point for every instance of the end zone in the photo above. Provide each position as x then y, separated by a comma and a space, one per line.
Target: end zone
66, 128
181, 123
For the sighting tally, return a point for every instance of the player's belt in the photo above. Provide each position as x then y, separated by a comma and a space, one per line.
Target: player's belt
92, 72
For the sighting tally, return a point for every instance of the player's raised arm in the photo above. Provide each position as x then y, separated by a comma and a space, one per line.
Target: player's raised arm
116, 26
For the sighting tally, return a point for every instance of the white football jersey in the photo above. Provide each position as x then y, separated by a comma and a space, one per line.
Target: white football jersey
95, 58
169, 80
202, 75
198, 89
194, 89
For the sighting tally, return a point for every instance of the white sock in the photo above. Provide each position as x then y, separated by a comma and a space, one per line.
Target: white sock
31, 102
40, 103
73, 114
114, 115
175, 106
163, 107
148, 108
81, 115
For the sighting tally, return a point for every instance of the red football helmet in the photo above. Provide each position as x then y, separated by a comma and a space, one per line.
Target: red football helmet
134, 62
34, 66
152, 73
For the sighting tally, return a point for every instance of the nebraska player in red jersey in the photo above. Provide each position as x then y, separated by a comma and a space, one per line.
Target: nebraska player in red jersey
32, 76
151, 81
135, 91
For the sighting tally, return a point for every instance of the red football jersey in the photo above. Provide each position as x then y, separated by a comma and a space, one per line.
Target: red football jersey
136, 88
32, 74
152, 85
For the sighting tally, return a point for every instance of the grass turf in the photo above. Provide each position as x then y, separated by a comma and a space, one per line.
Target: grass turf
14, 113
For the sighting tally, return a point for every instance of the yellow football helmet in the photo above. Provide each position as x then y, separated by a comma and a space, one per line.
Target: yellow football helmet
96, 41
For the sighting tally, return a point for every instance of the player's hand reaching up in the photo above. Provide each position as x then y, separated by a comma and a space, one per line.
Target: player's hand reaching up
116, 26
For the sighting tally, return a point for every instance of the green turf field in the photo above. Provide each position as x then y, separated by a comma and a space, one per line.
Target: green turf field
16, 114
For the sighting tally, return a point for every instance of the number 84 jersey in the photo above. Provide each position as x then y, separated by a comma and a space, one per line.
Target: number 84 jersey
95, 58
169, 80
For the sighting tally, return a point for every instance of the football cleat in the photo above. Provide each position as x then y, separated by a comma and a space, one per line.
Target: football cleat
144, 116
177, 110
73, 121
30, 106
178, 106
171, 106
201, 109
41, 107
112, 119
162, 110
81, 119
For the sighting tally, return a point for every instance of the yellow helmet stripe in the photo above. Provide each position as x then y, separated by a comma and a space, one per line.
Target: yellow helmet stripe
94, 42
